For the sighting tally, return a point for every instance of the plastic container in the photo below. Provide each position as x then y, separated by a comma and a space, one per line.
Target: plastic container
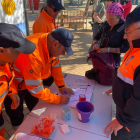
82, 97
66, 113
84, 110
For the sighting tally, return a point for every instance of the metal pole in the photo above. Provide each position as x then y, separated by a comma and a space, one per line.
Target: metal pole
32, 5
26, 18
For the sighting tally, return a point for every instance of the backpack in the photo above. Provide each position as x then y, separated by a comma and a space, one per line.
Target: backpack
104, 67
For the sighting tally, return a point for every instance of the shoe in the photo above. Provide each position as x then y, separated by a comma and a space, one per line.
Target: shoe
90, 74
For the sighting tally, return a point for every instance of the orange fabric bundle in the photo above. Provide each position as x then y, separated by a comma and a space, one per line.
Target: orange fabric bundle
44, 128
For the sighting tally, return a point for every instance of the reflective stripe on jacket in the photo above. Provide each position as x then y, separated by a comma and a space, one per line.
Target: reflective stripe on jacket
44, 23
6, 84
37, 66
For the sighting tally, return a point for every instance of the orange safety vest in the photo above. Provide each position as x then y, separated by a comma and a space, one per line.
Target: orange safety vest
44, 23
129, 64
31, 69
6, 84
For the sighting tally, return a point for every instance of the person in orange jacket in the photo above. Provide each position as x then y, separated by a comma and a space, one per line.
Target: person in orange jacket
45, 23
31, 69
12, 43
126, 89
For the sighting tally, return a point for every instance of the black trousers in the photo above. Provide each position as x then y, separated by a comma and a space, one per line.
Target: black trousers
17, 116
123, 134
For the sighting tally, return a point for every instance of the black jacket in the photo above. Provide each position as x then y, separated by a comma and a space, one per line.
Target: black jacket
127, 98
115, 39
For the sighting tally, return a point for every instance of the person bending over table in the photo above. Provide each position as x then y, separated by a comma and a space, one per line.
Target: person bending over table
31, 69
45, 23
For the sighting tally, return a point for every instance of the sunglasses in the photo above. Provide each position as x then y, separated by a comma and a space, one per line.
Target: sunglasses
54, 9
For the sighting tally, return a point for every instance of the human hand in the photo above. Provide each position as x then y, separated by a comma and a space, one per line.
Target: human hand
95, 46
113, 126
64, 99
102, 50
108, 91
15, 101
67, 91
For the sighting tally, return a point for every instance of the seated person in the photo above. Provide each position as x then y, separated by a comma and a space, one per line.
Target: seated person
98, 17
111, 40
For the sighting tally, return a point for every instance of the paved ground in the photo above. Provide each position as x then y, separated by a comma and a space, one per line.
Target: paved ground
75, 64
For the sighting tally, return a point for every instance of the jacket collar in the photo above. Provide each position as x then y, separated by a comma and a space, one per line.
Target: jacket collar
44, 42
136, 43
44, 13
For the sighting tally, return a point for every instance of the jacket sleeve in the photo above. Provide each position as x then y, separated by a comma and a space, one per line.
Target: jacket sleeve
130, 115
57, 74
125, 45
12, 88
99, 33
34, 84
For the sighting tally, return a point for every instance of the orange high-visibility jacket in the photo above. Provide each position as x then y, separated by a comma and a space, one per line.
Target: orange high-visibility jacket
31, 69
126, 88
44, 23
129, 64
6, 84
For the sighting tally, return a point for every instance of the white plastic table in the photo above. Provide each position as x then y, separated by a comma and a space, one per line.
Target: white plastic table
93, 130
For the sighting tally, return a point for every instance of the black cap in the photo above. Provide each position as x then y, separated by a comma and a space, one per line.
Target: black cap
56, 3
131, 18
12, 36
64, 37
